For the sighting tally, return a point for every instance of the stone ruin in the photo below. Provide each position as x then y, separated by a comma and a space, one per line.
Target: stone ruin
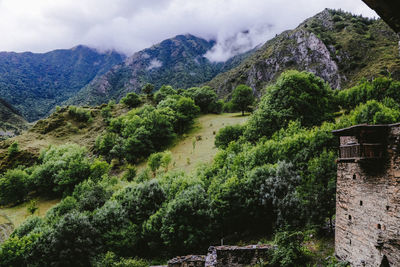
188, 261
368, 195
225, 256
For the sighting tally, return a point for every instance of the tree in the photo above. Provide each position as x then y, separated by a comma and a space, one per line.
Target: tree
227, 135
204, 97
13, 186
295, 96
148, 89
13, 149
318, 188
163, 93
242, 98
154, 162
131, 100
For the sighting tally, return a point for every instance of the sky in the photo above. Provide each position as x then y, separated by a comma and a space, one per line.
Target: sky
132, 25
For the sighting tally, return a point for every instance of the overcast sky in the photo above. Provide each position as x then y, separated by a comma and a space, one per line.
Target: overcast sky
131, 25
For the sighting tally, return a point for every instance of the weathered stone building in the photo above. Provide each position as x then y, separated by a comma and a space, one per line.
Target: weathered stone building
368, 196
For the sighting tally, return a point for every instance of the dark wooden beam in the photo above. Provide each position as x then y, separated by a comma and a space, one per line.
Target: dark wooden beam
388, 10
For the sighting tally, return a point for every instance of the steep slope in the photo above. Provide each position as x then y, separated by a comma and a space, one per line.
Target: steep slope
11, 121
178, 61
35, 83
336, 46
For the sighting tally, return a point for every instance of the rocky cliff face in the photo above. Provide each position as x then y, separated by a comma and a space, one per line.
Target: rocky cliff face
336, 46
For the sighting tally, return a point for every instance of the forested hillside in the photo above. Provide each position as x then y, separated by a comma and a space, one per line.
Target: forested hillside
11, 121
122, 198
276, 174
35, 83
178, 62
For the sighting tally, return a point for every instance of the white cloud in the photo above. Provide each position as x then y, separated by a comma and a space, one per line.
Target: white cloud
154, 63
131, 25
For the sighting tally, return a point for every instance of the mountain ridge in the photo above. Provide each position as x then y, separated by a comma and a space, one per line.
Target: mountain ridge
337, 46
34, 83
178, 61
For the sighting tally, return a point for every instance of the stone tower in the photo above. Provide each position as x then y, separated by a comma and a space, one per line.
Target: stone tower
368, 195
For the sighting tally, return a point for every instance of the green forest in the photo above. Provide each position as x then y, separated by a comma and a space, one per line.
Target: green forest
273, 178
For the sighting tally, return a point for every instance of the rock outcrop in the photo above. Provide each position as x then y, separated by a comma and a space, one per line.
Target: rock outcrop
339, 47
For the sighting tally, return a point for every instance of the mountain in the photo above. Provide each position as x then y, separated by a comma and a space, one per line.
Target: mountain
35, 83
337, 46
11, 121
178, 62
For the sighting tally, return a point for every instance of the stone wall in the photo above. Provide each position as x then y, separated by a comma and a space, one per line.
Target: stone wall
225, 256
368, 208
233, 256
187, 261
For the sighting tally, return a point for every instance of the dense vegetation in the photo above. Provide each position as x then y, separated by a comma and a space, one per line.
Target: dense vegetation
35, 83
178, 61
259, 183
11, 121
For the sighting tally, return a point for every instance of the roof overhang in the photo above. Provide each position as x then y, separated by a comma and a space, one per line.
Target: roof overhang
388, 10
362, 128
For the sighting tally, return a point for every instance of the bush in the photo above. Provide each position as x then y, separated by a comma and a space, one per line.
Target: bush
185, 223
13, 150
204, 97
374, 112
79, 114
228, 134
91, 195
13, 186
15, 250
289, 250
72, 241
131, 100
61, 169
130, 173
296, 95
163, 93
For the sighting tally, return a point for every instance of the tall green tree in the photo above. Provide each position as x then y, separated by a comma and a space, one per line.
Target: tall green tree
242, 98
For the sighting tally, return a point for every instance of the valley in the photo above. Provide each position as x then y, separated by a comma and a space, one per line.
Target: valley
115, 160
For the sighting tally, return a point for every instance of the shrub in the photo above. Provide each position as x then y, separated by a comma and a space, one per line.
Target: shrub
32, 206
72, 241
130, 173
163, 93
15, 250
131, 100
228, 134
13, 149
295, 96
13, 186
79, 114
185, 223
289, 250
154, 162
204, 97
61, 169
374, 112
